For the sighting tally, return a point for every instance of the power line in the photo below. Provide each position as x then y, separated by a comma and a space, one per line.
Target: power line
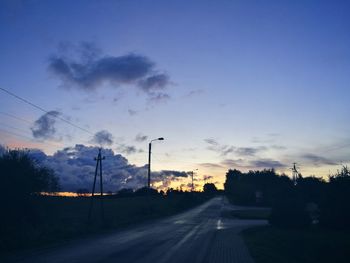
14, 128
11, 133
15, 117
16, 134
43, 110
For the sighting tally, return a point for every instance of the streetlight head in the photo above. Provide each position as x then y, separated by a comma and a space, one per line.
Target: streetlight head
161, 139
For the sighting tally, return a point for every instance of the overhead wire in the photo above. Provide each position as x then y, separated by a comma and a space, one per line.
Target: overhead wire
45, 111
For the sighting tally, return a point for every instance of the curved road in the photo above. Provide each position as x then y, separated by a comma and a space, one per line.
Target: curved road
197, 235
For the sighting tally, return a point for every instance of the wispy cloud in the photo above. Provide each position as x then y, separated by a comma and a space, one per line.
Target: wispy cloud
318, 160
128, 149
225, 149
141, 137
211, 165
260, 163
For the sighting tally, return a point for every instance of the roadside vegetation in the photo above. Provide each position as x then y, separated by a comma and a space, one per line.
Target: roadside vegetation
30, 219
294, 245
309, 218
253, 214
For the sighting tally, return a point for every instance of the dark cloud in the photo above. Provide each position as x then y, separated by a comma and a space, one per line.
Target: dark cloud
140, 137
90, 70
75, 167
252, 164
154, 83
44, 127
166, 173
266, 163
103, 138
127, 69
318, 160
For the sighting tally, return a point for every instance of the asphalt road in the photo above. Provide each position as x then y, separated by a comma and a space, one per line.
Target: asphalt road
198, 235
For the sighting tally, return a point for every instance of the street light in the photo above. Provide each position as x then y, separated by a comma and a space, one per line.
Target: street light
192, 172
149, 159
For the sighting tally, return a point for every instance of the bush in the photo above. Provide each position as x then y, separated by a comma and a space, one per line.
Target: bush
289, 212
21, 181
335, 207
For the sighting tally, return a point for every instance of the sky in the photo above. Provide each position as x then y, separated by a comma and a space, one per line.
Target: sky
228, 84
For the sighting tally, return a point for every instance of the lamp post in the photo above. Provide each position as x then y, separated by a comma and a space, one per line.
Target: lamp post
149, 159
192, 172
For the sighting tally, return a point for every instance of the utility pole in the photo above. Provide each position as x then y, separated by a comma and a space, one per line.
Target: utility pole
295, 173
149, 165
98, 168
192, 185
149, 160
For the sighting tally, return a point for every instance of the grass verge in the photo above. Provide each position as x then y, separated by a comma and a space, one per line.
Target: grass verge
275, 245
251, 213
58, 219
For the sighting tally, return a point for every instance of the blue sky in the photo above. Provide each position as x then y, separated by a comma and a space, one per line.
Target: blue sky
271, 76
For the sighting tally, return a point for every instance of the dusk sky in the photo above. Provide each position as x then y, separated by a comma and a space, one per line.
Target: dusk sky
228, 84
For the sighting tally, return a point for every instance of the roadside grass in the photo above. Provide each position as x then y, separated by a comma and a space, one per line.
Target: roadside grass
59, 219
251, 213
269, 244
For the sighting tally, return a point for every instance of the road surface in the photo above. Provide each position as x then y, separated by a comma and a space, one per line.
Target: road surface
198, 235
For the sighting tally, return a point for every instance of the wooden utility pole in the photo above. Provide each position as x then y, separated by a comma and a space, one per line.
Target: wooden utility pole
98, 168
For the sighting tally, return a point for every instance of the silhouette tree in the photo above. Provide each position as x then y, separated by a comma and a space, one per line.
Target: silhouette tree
210, 188
265, 185
22, 180
22, 177
335, 206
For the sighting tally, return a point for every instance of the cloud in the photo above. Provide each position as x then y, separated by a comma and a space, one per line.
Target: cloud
132, 112
171, 173
224, 149
211, 165
91, 70
207, 177
248, 151
318, 160
44, 127
154, 82
159, 97
266, 163
75, 167
194, 93
141, 138
252, 164
128, 149
103, 138
232, 163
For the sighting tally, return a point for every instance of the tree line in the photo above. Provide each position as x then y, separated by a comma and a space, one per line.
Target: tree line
307, 201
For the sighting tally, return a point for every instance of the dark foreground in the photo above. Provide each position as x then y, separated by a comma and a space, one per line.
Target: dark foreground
270, 244
198, 235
